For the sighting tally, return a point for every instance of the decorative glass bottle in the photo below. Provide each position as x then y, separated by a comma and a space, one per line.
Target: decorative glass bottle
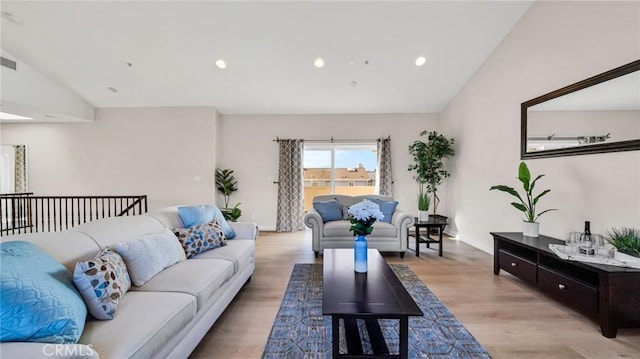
586, 240
360, 254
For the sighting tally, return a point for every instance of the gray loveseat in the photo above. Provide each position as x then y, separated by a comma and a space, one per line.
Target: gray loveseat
386, 237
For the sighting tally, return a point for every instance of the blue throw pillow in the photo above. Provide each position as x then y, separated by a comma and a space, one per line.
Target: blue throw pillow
328, 210
203, 214
386, 207
226, 228
192, 215
38, 301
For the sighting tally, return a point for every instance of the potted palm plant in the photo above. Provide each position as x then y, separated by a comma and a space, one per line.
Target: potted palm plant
428, 164
227, 184
531, 227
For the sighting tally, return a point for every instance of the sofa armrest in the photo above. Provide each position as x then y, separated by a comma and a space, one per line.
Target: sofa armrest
245, 230
401, 219
313, 220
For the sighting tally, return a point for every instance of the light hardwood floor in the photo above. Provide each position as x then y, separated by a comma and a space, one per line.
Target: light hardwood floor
508, 317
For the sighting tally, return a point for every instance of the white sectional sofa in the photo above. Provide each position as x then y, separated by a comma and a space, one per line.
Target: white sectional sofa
386, 237
167, 316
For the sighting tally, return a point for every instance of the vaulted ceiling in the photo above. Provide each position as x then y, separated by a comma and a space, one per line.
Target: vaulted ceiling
163, 53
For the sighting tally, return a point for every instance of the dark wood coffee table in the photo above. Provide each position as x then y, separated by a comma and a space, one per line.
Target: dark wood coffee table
377, 294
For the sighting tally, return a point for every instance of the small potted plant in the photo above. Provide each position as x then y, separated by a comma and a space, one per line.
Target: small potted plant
627, 243
227, 184
423, 204
531, 227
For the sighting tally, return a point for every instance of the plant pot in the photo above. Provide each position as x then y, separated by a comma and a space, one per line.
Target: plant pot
423, 216
530, 229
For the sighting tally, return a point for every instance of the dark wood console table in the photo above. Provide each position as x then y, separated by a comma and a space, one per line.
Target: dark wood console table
608, 293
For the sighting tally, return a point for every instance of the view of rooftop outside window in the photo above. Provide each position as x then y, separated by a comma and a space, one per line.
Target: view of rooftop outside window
339, 168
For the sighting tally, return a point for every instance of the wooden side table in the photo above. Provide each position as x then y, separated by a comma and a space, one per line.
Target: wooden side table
435, 221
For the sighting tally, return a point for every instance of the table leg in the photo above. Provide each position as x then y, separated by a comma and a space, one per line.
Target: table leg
404, 338
440, 238
418, 241
335, 336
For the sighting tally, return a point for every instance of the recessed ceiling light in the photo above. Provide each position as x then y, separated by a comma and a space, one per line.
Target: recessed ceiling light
221, 64
113, 89
421, 61
11, 117
318, 62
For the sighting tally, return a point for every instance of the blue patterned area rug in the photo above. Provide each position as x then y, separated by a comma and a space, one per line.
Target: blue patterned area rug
301, 331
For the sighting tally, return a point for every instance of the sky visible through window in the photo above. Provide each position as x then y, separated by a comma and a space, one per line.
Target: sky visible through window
344, 159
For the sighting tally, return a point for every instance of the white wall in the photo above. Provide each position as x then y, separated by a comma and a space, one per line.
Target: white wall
125, 151
554, 44
7, 168
248, 148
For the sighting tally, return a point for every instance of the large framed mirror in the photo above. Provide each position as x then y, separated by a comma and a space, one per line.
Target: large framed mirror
596, 115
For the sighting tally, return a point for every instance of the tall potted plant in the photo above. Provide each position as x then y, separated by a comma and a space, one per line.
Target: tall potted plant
428, 163
227, 184
531, 227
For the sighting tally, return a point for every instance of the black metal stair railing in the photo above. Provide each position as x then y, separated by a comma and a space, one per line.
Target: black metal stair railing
26, 213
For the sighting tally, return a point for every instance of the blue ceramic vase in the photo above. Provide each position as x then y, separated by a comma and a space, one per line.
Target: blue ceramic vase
360, 254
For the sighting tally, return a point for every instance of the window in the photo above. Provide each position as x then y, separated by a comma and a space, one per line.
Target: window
341, 168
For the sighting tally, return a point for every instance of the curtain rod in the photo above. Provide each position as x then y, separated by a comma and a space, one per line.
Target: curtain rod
334, 140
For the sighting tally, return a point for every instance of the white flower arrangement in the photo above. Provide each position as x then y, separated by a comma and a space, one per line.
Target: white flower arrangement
362, 216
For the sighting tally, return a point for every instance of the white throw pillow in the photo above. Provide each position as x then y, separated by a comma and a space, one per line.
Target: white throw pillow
147, 255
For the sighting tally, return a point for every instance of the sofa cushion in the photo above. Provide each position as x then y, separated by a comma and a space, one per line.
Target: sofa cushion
386, 207
38, 301
240, 252
102, 281
145, 321
200, 278
341, 229
147, 255
200, 238
328, 210
108, 231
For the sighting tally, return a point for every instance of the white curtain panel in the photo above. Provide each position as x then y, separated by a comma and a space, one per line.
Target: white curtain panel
290, 192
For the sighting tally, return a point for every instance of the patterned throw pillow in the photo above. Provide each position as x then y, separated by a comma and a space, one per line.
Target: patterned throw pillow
345, 212
201, 238
102, 281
